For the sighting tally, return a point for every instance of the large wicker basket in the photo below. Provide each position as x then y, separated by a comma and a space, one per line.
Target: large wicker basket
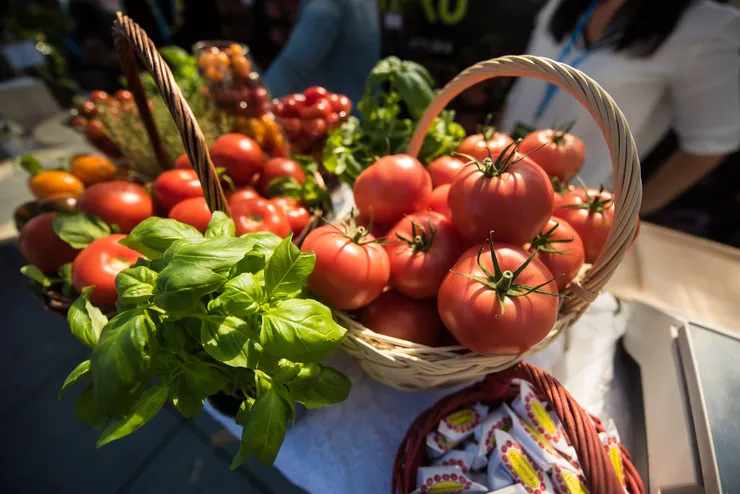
409, 366
581, 429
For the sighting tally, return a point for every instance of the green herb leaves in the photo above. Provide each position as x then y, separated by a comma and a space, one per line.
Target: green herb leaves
264, 430
287, 270
153, 236
85, 320
79, 229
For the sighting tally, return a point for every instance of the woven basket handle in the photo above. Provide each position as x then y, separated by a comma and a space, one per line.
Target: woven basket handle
627, 185
131, 39
597, 467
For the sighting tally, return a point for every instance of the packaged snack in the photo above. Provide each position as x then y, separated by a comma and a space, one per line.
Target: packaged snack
437, 444
460, 425
567, 482
479, 460
445, 480
520, 465
534, 411
498, 419
460, 459
512, 489
497, 476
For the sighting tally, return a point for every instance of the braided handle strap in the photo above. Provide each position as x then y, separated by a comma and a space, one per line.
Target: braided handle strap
627, 185
131, 40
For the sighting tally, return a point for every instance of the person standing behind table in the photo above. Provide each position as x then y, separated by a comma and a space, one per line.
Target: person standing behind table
665, 62
334, 44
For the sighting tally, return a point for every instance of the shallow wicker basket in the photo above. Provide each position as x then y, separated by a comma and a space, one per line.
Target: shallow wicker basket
409, 366
581, 429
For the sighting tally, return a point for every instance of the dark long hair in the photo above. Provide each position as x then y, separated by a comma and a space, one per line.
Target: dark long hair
643, 25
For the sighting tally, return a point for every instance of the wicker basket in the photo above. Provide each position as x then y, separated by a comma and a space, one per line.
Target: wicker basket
496, 389
409, 366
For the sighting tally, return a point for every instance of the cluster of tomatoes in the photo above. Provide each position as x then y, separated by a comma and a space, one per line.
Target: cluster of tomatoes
306, 118
87, 117
480, 244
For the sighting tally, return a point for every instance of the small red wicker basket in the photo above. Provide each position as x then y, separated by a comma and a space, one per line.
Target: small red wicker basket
495, 389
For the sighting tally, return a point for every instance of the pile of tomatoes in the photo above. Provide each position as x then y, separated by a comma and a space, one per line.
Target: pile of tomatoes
474, 249
307, 117
86, 119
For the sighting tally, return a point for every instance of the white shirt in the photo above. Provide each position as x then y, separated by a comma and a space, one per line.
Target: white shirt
691, 83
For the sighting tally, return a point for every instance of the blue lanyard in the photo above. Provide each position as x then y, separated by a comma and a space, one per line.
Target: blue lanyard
551, 90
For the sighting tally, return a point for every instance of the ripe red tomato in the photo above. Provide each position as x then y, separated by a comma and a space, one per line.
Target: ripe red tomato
298, 215
41, 247
333, 121
559, 153
98, 264
293, 106
314, 127
473, 310
478, 145
391, 187
280, 167
117, 203
438, 202
314, 94
239, 155
514, 200
321, 109
444, 170
560, 249
291, 126
193, 211
340, 103
259, 215
242, 194
124, 96
591, 214
183, 162
392, 314
423, 247
99, 96
173, 186
351, 268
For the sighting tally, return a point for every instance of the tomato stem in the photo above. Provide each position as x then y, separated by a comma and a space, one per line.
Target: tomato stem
421, 238
544, 241
594, 203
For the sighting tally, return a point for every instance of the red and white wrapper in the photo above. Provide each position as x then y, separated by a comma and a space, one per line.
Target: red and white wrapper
479, 461
497, 475
498, 419
460, 425
522, 468
567, 482
456, 458
512, 489
437, 444
610, 440
447, 480
534, 411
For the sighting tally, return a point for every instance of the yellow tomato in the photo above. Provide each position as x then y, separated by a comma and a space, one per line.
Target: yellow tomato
92, 169
55, 182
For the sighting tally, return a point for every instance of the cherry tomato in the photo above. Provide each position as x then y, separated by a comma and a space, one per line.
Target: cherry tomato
193, 212
242, 194
50, 183
478, 145
183, 162
475, 313
340, 103
88, 109
298, 215
423, 247
391, 187
395, 315
333, 121
117, 203
280, 167
314, 94
259, 215
559, 153
92, 169
314, 127
95, 129
98, 264
481, 192
438, 201
591, 214
173, 186
277, 107
79, 123
351, 268
321, 109
41, 247
293, 107
124, 96
560, 249
444, 170
99, 96
291, 126
239, 155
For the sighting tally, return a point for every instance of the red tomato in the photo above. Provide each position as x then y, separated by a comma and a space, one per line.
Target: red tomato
98, 264
340, 103
423, 247
478, 145
193, 211
291, 126
124, 96
333, 121
514, 200
397, 316
117, 203
41, 247
321, 109
183, 162
280, 167
559, 153
560, 249
242, 194
351, 268
444, 170
298, 215
293, 107
438, 202
391, 187
314, 94
173, 186
314, 127
476, 317
239, 155
99, 96
277, 107
591, 214
259, 215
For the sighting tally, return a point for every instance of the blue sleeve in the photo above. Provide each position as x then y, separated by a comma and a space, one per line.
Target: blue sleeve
312, 38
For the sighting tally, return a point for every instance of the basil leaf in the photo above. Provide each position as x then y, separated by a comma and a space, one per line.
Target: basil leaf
264, 430
226, 338
135, 285
85, 320
202, 379
120, 362
176, 335
241, 296
79, 229
217, 254
79, 372
243, 414
300, 330
220, 226
288, 269
88, 411
322, 390
31, 271
153, 236
183, 283
415, 92
65, 273
146, 407
185, 400
262, 243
